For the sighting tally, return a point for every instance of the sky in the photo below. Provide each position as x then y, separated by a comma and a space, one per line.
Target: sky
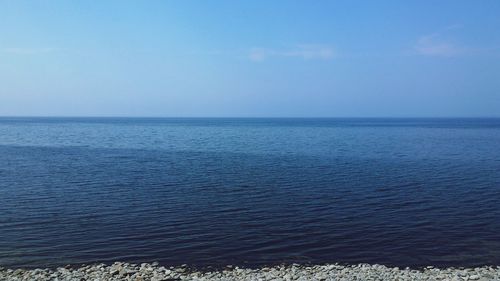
250, 58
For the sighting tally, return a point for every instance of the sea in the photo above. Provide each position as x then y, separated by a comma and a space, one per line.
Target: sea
209, 192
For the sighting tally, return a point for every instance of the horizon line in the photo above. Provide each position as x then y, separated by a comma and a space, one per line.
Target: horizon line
249, 117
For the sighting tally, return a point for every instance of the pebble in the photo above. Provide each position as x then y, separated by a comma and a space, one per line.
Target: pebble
155, 272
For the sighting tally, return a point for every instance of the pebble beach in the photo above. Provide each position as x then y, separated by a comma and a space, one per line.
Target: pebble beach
155, 272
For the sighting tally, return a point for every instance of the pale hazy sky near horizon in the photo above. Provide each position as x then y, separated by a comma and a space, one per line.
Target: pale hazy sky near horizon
250, 58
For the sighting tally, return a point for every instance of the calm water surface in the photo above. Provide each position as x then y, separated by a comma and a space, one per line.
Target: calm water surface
406, 192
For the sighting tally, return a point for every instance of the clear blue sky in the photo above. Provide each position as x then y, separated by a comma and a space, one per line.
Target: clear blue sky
250, 58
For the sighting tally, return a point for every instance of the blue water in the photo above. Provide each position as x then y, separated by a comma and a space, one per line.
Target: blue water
405, 192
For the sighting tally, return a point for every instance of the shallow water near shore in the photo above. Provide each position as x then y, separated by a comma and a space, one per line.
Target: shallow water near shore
400, 192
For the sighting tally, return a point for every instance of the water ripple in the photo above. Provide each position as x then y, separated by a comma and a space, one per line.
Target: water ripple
248, 193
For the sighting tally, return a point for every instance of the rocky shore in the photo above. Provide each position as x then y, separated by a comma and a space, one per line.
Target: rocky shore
154, 272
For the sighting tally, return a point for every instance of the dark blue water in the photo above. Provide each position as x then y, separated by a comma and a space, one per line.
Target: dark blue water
406, 192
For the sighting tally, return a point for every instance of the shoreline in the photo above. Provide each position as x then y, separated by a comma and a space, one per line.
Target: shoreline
155, 272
